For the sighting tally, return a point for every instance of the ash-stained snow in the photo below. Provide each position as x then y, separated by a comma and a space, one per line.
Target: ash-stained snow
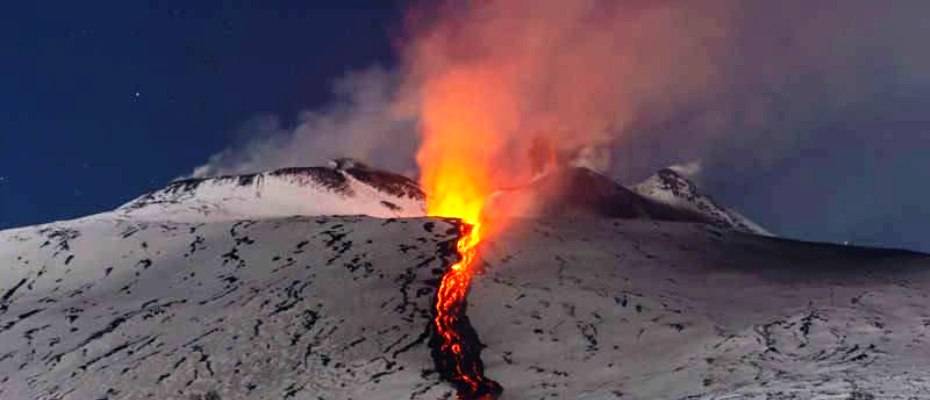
671, 188
347, 187
302, 308
211, 290
585, 309
337, 308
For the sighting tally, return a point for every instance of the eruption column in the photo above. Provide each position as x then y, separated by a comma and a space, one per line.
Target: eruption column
459, 126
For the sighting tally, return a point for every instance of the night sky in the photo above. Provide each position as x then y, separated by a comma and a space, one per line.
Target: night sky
819, 130
103, 102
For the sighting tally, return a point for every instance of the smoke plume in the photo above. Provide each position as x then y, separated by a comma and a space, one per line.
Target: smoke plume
809, 116
818, 126
572, 75
361, 122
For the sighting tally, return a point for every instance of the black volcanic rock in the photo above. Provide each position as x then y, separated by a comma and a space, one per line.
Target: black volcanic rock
672, 188
573, 191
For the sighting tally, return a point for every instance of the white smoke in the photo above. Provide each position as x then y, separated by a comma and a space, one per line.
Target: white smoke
800, 110
361, 122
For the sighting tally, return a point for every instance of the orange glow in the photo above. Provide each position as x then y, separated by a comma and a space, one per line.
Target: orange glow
462, 119
459, 139
451, 296
504, 90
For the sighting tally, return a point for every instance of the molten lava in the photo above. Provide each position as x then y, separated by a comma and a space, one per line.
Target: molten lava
455, 344
456, 349
457, 173
487, 80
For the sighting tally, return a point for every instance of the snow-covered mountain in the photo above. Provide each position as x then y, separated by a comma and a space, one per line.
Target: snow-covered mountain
670, 187
159, 301
349, 187
337, 308
297, 307
666, 196
346, 187
571, 191
633, 309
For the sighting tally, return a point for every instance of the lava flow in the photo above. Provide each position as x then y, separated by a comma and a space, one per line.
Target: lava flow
457, 177
456, 349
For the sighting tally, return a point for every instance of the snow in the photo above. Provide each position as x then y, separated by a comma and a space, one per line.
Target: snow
295, 191
644, 310
278, 308
335, 307
669, 186
213, 289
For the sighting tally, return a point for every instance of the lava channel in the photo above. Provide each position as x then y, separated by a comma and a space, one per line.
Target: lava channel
454, 344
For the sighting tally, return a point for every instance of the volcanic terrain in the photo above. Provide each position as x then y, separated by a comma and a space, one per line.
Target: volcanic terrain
319, 283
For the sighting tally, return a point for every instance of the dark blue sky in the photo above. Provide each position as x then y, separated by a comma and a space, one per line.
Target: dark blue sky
819, 130
103, 101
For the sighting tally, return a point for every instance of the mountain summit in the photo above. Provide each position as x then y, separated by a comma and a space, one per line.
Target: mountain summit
576, 191
349, 187
672, 188
345, 187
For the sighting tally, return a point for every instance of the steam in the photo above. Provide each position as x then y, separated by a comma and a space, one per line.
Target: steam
817, 125
574, 75
361, 122
809, 116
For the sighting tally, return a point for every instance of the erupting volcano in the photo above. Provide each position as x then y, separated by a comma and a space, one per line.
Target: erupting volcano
455, 191
456, 177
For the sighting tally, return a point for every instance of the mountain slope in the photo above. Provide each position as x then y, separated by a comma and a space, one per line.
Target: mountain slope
671, 188
204, 291
569, 191
347, 187
279, 308
601, 309
337, 308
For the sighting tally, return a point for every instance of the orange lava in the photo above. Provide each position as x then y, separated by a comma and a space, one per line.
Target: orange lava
453, 289
457, 176
449, 300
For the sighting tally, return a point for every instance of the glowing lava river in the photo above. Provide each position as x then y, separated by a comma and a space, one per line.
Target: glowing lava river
456, 349
460, 142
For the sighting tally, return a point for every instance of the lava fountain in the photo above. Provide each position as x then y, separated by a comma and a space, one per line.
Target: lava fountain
457, 178
492, 82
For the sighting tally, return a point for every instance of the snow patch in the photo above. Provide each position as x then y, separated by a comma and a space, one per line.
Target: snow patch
670, 186
347, 187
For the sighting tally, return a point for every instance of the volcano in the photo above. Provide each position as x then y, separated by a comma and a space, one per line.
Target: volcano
346, 186
303, 284
578, 191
